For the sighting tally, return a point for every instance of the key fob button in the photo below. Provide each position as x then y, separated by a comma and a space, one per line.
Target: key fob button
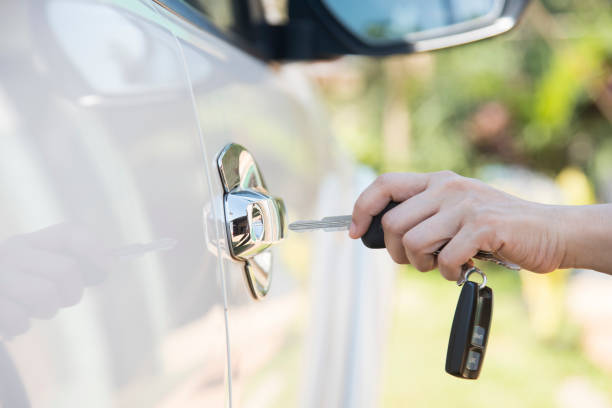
473, 360
478, 336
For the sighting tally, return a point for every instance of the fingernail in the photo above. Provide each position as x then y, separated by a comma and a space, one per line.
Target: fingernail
352, 229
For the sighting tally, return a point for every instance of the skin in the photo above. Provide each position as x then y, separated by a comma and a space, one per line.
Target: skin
468, 215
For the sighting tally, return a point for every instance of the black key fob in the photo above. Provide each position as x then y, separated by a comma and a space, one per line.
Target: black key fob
375, 236
470, 331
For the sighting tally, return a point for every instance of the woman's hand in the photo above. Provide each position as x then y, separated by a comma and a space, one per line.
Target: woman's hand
468, 215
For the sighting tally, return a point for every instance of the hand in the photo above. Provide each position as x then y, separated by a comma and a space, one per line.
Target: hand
466, 215
44, 271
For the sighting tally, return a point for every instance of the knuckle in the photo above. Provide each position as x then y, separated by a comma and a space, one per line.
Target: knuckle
419, 267
410, 242
470, 204
390, 224
397, 257
457, 183
445, 261
484, 226
447, 179
476, 211
398, 260
413, 248
445, 174
387, 223
486, 238
384, 179
423, 263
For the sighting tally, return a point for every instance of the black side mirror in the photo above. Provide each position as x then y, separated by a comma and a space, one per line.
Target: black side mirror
320, 29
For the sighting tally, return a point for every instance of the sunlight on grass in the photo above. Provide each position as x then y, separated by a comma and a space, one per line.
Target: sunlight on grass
518, 369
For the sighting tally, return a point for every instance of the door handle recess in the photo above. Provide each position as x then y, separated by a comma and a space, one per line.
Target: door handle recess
254, 220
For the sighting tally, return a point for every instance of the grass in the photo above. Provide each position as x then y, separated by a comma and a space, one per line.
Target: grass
519, 369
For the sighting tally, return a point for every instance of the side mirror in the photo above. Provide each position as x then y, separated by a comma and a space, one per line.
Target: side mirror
326, 28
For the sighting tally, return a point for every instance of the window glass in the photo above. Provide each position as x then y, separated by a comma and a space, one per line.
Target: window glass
219, 12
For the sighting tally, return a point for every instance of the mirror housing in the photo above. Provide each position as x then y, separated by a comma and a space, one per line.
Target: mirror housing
314, 32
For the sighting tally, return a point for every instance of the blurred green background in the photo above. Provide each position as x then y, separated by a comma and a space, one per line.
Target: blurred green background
530, 112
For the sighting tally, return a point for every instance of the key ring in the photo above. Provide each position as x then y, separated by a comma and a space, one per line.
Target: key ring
466, 275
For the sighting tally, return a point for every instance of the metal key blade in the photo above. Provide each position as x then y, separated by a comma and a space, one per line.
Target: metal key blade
336, 223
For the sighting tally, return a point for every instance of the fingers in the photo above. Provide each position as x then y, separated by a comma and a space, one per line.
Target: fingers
402, 218
410, 213
60, 270
421, 241
459, 250
434, 209
395, 248
388, 187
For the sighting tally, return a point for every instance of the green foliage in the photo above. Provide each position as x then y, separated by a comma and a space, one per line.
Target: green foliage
540, 98
522, 98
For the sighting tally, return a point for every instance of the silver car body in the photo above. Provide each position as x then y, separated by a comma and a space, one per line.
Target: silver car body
116, 287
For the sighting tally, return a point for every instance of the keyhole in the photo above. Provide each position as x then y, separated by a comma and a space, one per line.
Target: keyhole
257, 223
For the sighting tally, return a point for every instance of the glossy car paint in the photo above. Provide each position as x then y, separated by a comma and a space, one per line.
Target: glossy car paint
116, 287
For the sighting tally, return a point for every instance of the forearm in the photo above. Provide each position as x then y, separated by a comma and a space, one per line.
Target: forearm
588, 237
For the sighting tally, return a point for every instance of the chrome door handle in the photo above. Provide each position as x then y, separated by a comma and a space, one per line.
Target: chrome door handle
254, 220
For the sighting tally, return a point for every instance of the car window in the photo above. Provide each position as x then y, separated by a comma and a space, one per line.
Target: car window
220, 12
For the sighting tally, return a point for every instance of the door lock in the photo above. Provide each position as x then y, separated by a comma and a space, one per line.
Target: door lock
254, 220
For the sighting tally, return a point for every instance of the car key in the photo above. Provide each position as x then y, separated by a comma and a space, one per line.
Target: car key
375, 236
470, 329
471, 323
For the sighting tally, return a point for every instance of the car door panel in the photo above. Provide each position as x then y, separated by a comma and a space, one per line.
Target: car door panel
297, 346
112, 114
101, 202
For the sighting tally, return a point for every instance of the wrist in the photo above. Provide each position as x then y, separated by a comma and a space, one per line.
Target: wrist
586, 230
570, 232
553, 237
535, 237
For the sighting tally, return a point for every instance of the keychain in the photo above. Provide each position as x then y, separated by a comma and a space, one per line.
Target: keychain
470, 330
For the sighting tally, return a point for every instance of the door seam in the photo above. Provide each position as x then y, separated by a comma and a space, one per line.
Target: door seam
220, 266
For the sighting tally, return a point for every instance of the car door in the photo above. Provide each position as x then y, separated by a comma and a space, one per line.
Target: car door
316, 338
108, 293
